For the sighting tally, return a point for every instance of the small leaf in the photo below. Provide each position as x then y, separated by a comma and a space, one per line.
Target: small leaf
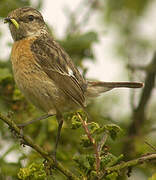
93, 127
84, 141
23, 173
112, 176
76, 123
115, 160
82, 163
85, 162
112, 129
107, 159
91, 159
33, 171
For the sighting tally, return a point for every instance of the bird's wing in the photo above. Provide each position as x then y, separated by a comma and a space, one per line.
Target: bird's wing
55, 62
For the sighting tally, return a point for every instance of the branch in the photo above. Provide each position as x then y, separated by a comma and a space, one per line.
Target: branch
28, 141
139, 112
147, 68
131, 163
139, 115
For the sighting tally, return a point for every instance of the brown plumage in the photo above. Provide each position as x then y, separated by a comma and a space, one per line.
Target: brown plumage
44, 72
42, 69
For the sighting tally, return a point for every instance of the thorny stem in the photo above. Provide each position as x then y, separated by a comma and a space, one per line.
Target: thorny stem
85, 126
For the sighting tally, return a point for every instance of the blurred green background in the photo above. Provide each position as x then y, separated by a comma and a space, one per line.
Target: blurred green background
133, 48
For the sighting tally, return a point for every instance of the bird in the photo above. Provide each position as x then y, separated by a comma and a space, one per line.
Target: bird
45, 73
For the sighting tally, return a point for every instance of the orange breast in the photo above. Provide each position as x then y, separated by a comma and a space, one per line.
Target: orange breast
21, 55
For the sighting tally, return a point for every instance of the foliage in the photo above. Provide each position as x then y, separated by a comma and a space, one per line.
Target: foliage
33, 171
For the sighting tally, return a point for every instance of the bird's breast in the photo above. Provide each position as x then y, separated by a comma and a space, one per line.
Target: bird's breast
28, 75
22, 57
25, 68
33, 82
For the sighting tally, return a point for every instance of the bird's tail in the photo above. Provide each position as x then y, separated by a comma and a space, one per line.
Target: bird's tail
95, 88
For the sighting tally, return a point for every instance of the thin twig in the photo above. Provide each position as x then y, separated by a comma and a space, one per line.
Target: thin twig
28, 141
78, 25
127, 164
151, 146
102, 142
139, 113
85, 126
137, 67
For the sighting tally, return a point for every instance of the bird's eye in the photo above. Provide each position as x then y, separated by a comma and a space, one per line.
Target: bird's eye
31, 18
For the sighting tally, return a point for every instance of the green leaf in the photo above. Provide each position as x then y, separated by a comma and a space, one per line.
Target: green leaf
115, 160
84, 141
76, 123
112, 176
93, 127
112, 129
34, 171
85, 162
106, 159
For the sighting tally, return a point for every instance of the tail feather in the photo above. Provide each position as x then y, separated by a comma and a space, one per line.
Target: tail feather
98, 87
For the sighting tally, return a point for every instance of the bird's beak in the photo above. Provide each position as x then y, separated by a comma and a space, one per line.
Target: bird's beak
13, 21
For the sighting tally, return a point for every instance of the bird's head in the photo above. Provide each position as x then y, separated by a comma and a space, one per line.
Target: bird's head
25, 22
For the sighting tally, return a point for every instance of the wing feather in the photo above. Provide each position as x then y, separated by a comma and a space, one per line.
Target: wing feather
56, 64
